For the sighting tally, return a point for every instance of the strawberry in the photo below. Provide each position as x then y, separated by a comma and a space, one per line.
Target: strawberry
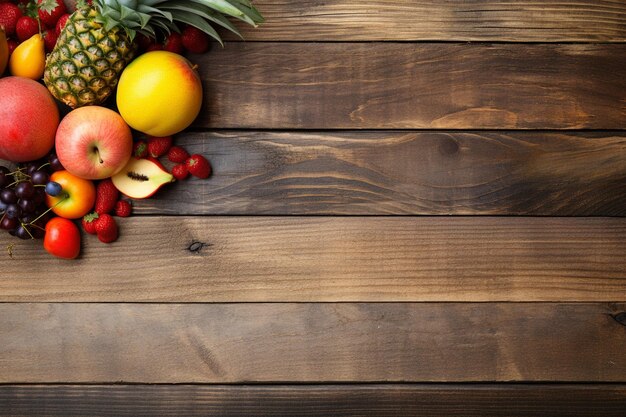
9, 14
140, 149
50, 11
49, 39
61, 23
143, 41
89, 222
180, 172
174, 43
177, 154
123, 208
194, 40
159, 146
12, 43
26, 27
154, 47
198, 166
106, 228
106, 196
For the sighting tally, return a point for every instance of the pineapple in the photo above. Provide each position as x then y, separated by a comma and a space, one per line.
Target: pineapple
97, 42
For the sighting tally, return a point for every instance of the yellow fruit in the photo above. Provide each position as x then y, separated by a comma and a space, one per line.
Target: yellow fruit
159, 93
29, 58
4, 52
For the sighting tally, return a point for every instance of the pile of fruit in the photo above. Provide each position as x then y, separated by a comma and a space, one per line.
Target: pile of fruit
92, 96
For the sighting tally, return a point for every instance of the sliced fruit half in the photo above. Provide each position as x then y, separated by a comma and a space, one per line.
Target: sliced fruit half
141, 178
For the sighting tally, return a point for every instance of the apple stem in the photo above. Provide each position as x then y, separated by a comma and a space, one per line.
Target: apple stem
98, 153
63, 198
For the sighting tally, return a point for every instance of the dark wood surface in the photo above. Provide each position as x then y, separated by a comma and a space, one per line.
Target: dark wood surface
312, 342
435, 20
417, 208
413, 86
403, 172
376, 400
236, 259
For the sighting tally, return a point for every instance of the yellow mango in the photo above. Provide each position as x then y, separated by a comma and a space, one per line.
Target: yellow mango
29, 58
159, 93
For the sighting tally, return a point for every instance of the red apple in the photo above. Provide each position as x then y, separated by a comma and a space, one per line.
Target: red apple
93, 142
28, 119
141, 178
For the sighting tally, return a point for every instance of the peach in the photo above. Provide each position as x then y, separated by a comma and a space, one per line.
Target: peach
28, 119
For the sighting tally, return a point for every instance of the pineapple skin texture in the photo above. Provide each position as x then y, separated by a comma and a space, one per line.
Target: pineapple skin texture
85, 65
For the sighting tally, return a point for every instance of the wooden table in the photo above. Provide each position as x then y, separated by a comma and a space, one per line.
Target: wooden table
417, 209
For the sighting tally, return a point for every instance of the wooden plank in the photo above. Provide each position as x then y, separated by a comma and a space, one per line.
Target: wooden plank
433, 400
407, 85
433, 20
383, 172
331, 259
319, 342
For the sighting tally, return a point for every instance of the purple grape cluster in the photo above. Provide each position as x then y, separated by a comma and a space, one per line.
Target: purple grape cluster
23, 209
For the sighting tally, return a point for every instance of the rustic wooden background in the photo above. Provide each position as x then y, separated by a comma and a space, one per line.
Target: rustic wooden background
417, 209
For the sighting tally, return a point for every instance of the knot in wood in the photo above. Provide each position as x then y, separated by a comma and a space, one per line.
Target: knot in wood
620, 318
196, 246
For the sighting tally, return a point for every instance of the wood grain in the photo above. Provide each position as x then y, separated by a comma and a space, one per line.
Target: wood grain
433, 20
432, 400
331, 259
407, 85
383, 172
342, 342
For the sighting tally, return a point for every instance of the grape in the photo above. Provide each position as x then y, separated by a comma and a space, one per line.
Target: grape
3, 205
13, 211
24, 190
53, 188
37, 232
8, 223
40, 196
55, 164
27, 206
27, 218
4, 177
39, 177
31, 167
22, 232
8, 196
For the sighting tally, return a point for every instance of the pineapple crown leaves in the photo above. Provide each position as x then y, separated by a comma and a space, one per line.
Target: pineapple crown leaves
144, 16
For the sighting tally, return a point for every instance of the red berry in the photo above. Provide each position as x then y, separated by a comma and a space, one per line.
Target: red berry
198, 166
55, 9
195, 40
26, 27
106, 228
12, 43
143, 42
159, 146
89, 222
140, 149
180, 172
174, 43
49, 39
61, 23
9, 14
177, 154
106, 196
154, 47
123, 208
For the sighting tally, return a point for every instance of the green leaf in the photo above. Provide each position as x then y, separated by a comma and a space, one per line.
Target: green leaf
201, 11
198, 22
